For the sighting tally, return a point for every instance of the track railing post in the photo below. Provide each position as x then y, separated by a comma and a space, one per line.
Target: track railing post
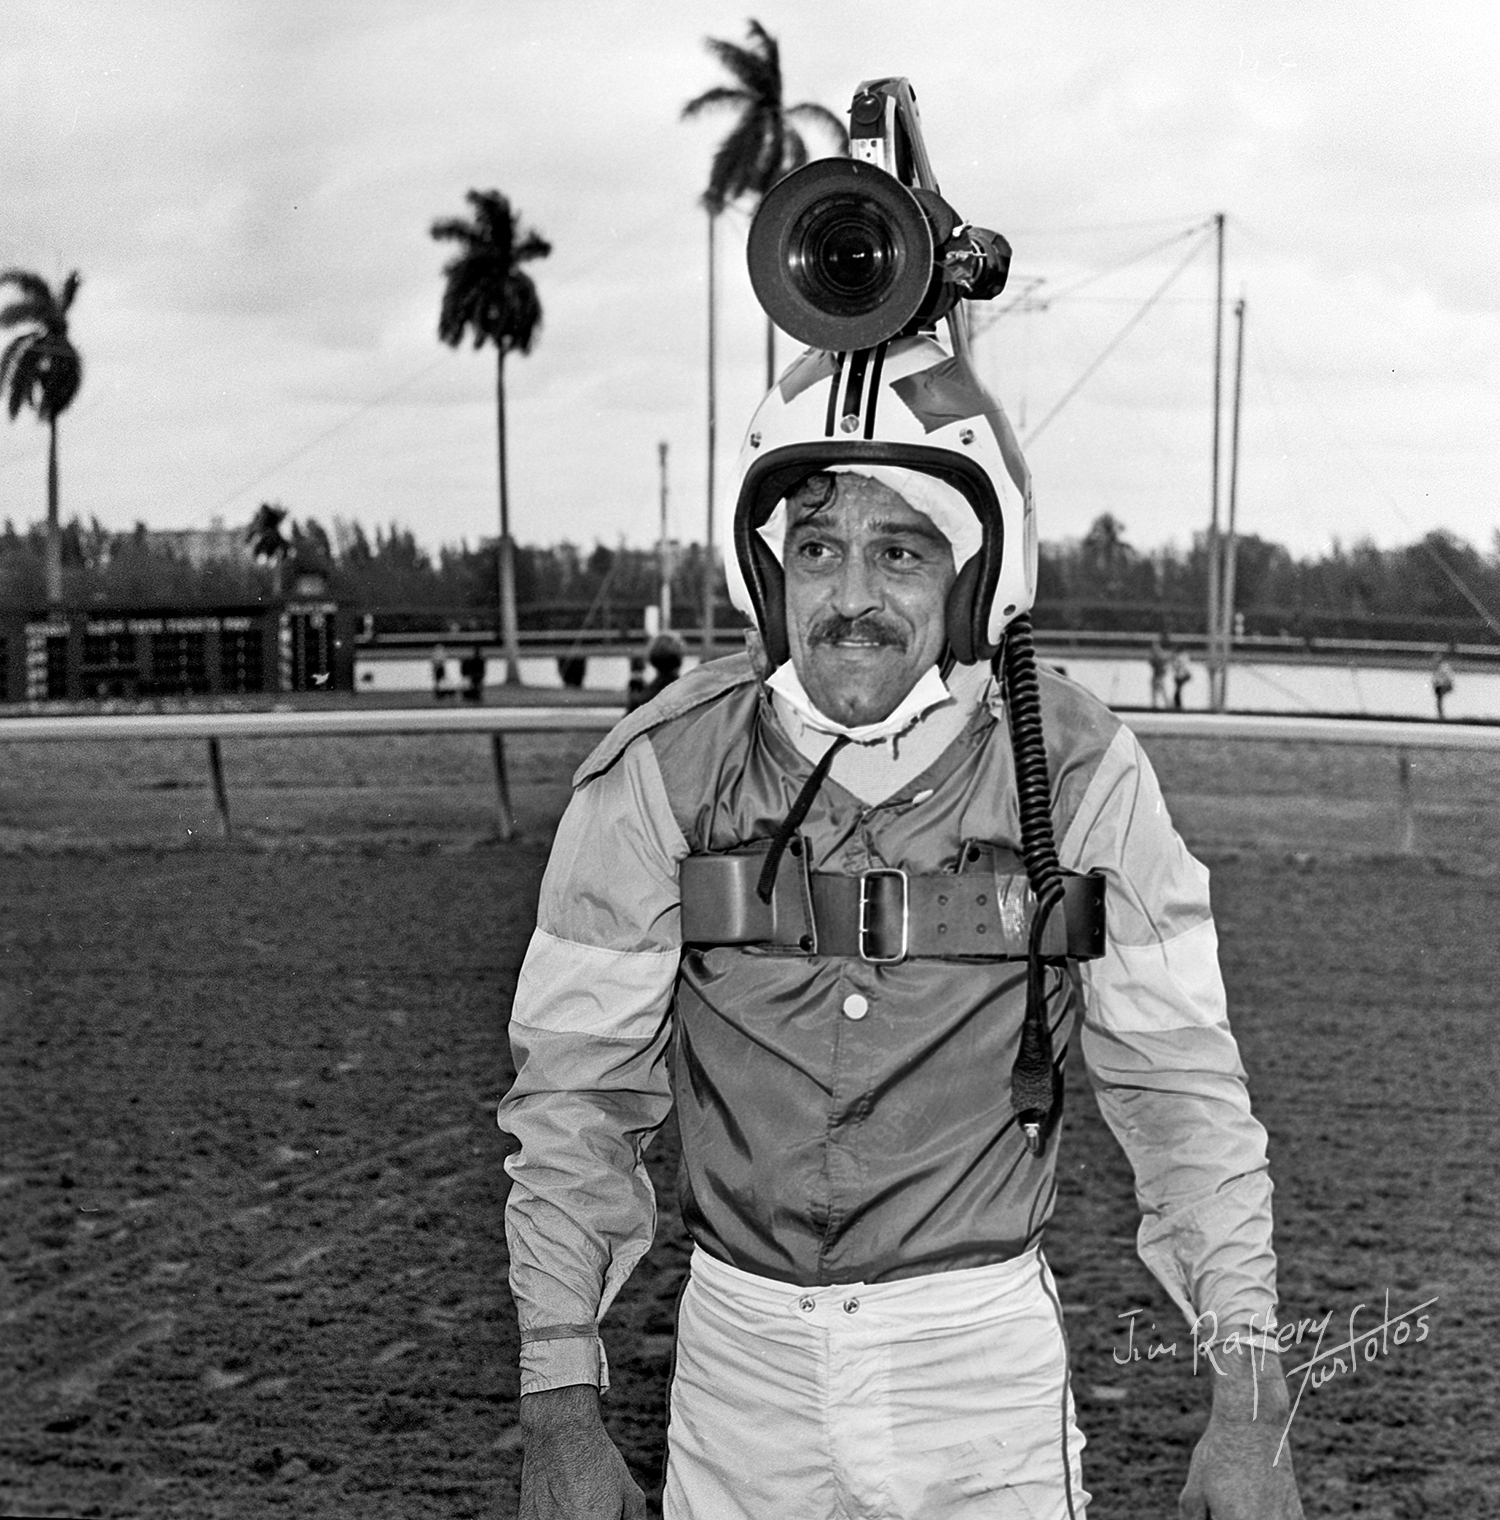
221, 792
505, 817
1406, 806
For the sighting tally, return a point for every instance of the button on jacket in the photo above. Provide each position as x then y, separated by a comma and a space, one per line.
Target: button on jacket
844, 1121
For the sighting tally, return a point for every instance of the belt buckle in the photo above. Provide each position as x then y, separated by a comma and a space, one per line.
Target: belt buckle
866, 899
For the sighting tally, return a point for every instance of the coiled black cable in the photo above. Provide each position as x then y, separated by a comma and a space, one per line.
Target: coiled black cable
1035, 1084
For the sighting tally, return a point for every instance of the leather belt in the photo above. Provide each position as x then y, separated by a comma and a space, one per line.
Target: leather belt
884, 915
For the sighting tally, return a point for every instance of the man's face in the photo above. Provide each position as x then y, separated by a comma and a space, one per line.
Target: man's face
867, 580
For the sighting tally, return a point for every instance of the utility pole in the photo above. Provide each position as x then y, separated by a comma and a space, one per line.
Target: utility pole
1231, 546
664, 547
710, 579
1215, 694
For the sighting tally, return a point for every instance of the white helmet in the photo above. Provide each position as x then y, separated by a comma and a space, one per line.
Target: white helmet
907, 403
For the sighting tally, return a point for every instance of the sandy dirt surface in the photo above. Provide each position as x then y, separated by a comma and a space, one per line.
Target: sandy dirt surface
252, 1259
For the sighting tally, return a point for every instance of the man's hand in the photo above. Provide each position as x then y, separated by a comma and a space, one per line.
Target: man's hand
1242, 1467
572, 1470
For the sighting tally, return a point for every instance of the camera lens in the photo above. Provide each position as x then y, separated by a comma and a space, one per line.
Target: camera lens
842, 256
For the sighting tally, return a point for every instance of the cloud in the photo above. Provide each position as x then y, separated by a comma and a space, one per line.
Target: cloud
248, 191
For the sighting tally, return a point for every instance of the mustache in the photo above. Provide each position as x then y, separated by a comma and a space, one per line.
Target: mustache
836, 629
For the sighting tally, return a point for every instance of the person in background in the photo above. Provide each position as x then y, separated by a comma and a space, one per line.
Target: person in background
1181, 674
664, 655
441, 690
1160, 659
471, 668
635, 686
1442, 681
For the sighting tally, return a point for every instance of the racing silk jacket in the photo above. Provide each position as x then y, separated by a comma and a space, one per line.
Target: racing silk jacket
844, 1121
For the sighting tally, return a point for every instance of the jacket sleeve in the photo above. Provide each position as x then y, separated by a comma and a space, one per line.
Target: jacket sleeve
589, 1031
1164, 1065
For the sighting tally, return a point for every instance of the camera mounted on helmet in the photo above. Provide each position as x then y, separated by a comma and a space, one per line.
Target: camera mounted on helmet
861, 258
846, 253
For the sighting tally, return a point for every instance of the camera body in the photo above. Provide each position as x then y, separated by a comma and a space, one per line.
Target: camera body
848, 253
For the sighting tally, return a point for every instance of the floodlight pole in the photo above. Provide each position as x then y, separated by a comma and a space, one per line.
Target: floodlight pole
710, 580
1215, 684
1230, 545
664, 547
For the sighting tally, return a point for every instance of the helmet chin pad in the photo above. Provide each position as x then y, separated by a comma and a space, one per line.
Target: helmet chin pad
967, 636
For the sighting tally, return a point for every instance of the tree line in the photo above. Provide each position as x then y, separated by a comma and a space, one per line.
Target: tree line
1440, 588
1420, 591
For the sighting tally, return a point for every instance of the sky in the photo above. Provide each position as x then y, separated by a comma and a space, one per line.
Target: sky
247, 191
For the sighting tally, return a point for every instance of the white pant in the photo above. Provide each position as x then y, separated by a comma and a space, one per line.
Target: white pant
924, 1399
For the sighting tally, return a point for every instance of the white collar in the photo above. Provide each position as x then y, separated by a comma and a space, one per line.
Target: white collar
929, 692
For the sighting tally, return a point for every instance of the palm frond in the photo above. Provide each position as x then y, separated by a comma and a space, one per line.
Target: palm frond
810, 110
464, 298
735, 168
12, 349
770, 57
450, 229
720, 95
69, 290
32, 286
793, 152
741, 64
9, 361
21, 311
523, 315
24, 379
770, 165
495, 221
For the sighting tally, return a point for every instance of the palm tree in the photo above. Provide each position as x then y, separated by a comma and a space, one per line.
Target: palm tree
763, 147
268, 544
1105, 551
489, 294
41, 368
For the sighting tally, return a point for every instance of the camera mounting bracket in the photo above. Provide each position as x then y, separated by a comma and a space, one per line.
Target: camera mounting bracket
885, 129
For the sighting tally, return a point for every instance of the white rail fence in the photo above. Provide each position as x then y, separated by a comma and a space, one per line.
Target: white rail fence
497, 722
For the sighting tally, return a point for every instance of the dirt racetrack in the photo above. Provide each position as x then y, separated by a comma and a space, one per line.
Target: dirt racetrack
252, 1250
